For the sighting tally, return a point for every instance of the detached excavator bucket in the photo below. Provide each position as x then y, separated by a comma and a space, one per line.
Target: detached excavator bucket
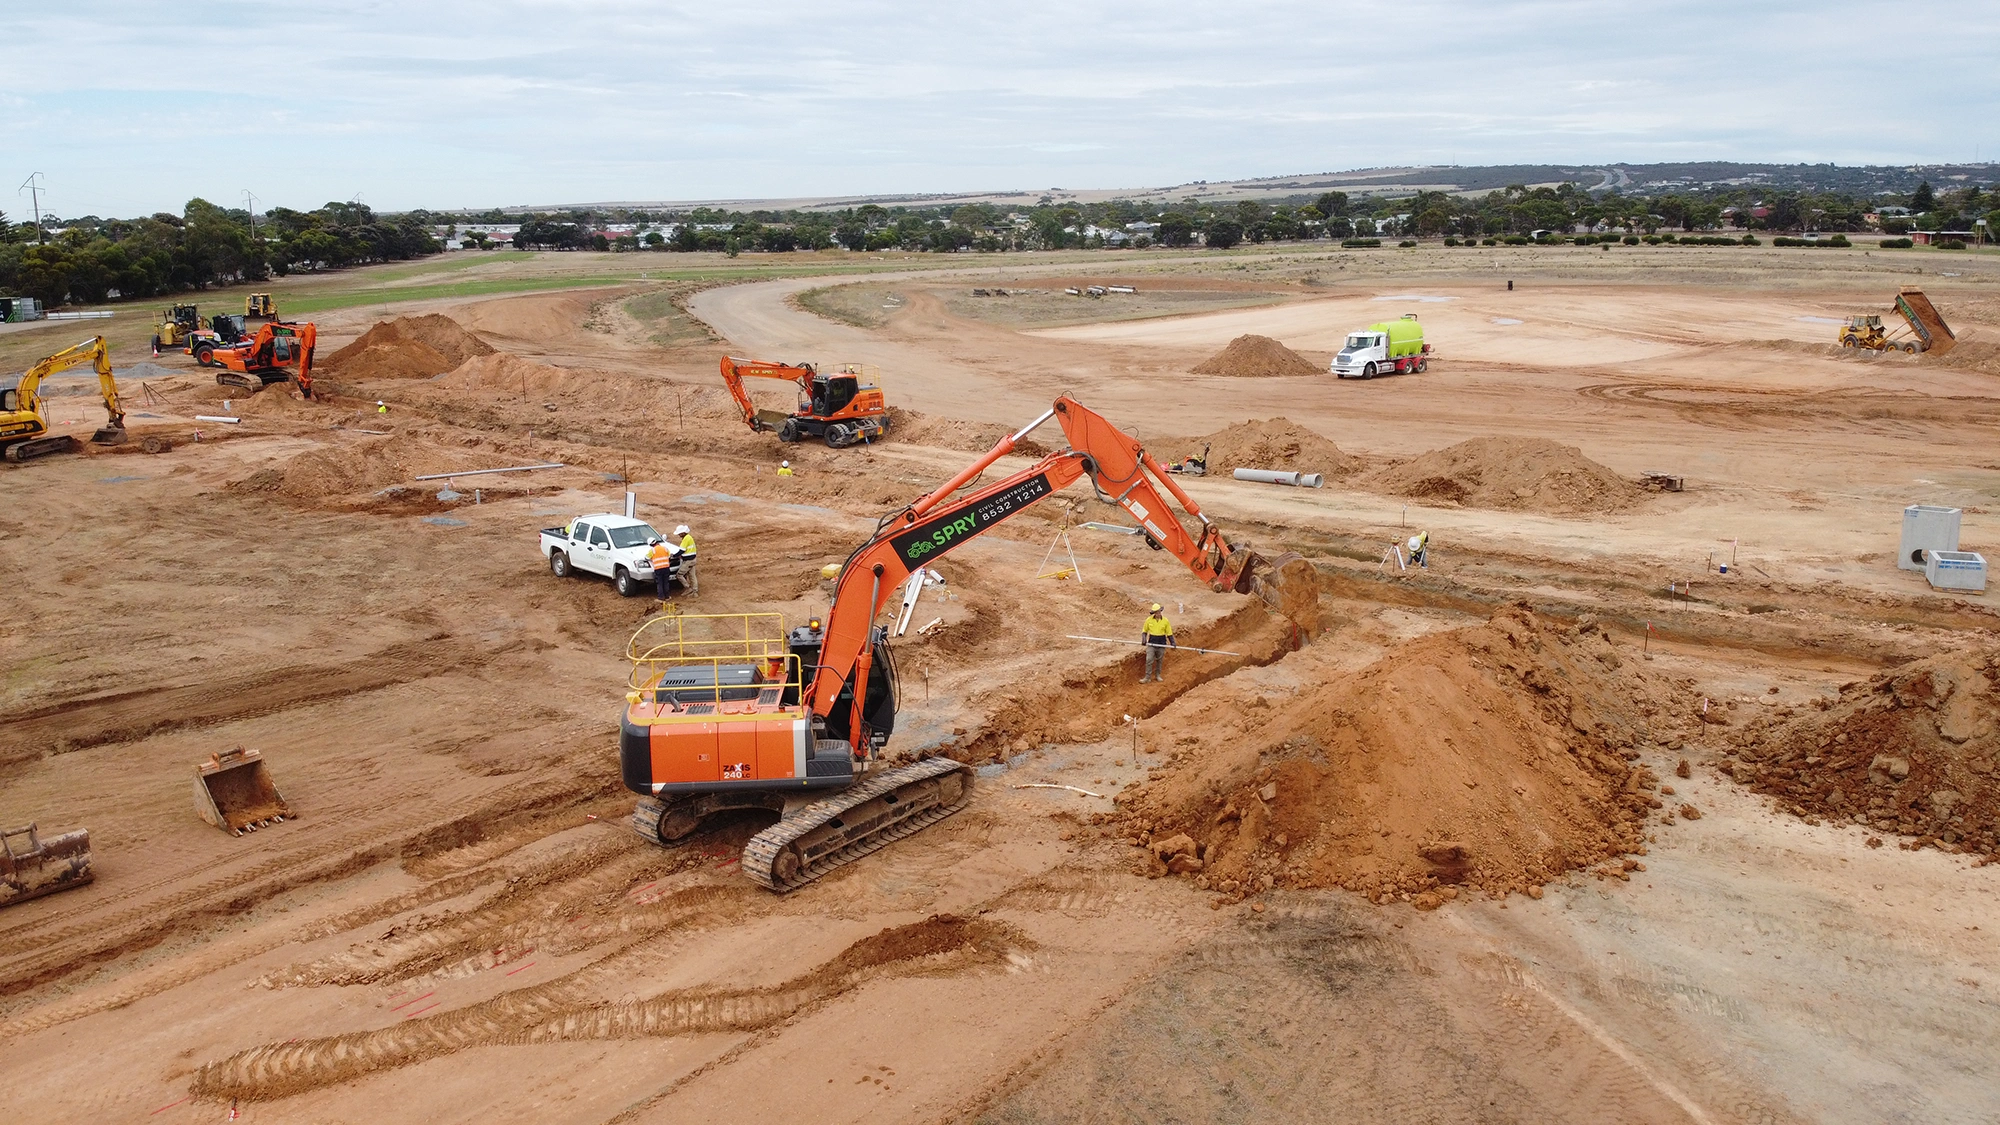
1287, 583
233, 791
31, 866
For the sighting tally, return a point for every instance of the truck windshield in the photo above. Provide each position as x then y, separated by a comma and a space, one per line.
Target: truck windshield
1357, 342
637, 536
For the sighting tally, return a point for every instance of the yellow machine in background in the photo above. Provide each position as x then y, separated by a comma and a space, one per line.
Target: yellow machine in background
1924, 329
24, 419
1864, 332
259, 305
176, 324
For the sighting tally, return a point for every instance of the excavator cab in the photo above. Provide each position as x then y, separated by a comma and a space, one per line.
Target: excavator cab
832, 393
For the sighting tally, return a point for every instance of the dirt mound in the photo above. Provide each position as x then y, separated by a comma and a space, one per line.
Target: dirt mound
1914, 751
409, 347
1492, 758
1973, 355
1275, 443
1517, 474
1255, 357
914, 428
506, 373
360, 465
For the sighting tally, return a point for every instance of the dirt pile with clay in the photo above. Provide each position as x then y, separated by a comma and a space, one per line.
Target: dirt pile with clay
1255, 357
1913, 751
1510, 473
1488, 759
408, 347
1274, 443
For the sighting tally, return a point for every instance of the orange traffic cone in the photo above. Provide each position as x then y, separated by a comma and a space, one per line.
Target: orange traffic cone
156, 347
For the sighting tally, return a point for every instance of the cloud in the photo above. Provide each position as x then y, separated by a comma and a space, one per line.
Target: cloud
453, 103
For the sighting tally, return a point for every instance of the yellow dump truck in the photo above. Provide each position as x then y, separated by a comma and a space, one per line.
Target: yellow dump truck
1923, 330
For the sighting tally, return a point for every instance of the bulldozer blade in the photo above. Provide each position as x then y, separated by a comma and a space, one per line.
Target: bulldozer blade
1287, 583
233, 790
31, 866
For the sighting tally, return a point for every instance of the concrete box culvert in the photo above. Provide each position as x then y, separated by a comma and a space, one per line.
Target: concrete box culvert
1955, 570
1273, 476
1926, 527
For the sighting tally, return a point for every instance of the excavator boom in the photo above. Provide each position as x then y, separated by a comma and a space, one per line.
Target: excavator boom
1121, 472
734, 371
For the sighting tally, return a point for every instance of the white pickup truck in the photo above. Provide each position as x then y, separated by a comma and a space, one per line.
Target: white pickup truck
618, 547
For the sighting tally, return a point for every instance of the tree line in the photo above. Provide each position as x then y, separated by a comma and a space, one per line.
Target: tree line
1517, 210
92, 260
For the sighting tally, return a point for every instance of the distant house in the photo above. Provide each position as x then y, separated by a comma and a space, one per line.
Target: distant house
1927, 237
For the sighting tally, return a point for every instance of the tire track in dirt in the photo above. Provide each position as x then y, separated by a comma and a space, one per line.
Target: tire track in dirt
127, 716
35, 954
563, 1010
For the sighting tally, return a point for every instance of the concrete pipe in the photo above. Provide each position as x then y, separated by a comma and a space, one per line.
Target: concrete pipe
1272, 476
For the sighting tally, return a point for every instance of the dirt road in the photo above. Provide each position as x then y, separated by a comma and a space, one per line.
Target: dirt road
460, 926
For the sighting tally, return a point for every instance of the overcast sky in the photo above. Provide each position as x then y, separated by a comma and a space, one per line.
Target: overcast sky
132, 107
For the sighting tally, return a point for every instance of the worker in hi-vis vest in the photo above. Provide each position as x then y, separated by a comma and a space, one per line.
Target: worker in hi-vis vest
689, 581
662, 557
1158, 635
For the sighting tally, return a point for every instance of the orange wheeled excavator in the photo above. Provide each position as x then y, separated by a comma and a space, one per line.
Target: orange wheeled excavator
737, 712
842, 406
280, 351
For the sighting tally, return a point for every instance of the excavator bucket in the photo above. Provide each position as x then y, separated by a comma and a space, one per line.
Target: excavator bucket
109, 435
768, 420
31, 866
233, 791
1287, 583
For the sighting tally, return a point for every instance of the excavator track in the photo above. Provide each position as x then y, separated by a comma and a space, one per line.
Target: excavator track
856, 821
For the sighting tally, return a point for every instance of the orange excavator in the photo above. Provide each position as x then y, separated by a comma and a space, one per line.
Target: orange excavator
736, 712
280, 351
842, 406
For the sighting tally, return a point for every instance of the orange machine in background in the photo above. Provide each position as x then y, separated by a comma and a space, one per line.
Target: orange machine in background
843, 406
280, 351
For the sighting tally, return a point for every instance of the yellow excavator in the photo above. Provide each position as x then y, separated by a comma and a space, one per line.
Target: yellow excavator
24, 418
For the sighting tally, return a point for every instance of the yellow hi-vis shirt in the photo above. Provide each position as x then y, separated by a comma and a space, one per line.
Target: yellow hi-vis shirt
687, 546
1158, 627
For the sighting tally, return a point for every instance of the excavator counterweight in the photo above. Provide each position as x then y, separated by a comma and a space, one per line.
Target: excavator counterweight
738, 712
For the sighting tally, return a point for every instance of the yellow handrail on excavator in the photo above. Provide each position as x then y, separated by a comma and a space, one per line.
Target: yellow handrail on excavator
24, 421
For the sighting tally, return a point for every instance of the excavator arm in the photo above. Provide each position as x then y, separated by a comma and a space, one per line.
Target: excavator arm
92, 351
734, 371
1120, 471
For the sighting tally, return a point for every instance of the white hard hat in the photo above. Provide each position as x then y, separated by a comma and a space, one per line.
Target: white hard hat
786, 464
681, 530
378, 402
1416, 541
